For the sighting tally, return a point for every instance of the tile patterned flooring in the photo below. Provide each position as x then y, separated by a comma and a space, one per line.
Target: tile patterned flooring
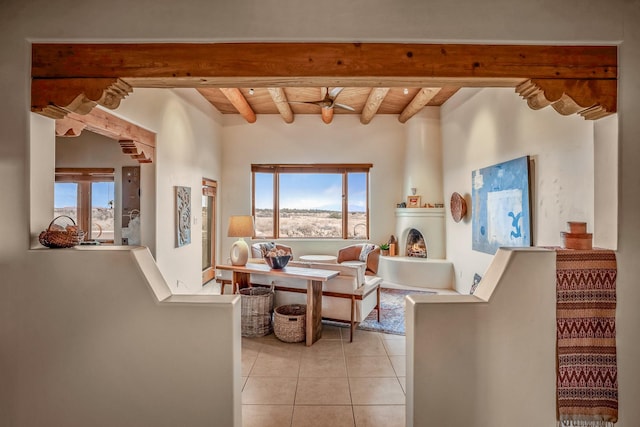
333, 383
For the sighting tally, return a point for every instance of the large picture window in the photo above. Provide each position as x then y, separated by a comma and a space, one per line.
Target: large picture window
311, 201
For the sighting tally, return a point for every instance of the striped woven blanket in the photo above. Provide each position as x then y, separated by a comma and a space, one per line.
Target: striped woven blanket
587, 382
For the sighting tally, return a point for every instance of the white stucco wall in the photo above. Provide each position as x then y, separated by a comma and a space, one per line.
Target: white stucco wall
188, 148
495, 21
605, 179
309, 140
484, 359
422, 168
484, 127
102, 350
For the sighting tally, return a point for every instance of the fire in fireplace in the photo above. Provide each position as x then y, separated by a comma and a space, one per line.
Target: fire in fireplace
416, 246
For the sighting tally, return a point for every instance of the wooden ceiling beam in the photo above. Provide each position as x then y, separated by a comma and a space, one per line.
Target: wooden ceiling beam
421, 99
202, 83
282, 104
376, 96
184, 60
137, 142
240, 103
76, 77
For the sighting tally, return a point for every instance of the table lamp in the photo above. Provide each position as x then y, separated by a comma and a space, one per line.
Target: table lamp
240, 226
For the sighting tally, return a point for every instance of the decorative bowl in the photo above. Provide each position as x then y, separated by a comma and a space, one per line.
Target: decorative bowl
458, 207
277, 262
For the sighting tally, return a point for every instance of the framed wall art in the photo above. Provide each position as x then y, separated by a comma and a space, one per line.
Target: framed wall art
501, 211
183, 216
413, 201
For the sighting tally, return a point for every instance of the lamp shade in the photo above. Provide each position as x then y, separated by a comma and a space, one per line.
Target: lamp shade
241, 226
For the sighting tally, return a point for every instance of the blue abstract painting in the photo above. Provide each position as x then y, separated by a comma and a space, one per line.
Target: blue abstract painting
501, 213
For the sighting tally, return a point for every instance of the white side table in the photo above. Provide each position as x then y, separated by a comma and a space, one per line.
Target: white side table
331, 259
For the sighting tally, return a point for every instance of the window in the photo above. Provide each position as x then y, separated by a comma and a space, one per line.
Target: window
311, 201
87, 196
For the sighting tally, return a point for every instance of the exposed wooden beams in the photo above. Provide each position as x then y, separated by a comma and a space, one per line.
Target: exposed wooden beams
280, 99
421, 99
444, 94
240, 103
376, 96
76, 77
137, 142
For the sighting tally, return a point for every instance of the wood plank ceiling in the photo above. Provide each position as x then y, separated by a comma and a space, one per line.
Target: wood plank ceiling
364, 101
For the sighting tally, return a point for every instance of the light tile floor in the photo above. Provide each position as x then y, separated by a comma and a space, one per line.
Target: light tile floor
333, 383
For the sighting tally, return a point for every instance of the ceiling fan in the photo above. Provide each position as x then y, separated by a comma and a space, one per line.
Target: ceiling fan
328, 101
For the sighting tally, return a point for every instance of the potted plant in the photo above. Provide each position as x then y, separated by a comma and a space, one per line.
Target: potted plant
384, 249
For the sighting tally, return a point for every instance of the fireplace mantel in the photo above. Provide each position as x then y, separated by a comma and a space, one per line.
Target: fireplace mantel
435, 212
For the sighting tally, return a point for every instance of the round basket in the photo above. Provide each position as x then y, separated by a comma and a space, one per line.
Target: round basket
255, 311
289, 322
57, 236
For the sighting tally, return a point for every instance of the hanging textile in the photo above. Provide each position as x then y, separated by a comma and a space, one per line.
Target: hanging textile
587, 378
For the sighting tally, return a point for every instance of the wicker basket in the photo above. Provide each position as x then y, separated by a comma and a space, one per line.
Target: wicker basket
256, 308
289, 322
57, 236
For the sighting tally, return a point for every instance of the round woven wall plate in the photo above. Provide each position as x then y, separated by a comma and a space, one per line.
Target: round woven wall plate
458, 207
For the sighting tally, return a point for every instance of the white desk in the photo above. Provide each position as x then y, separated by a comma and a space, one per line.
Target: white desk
314, 277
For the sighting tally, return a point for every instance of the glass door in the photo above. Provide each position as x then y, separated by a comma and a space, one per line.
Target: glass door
209, 190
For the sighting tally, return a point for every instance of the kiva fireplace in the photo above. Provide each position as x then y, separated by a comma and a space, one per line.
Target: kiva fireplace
420, 232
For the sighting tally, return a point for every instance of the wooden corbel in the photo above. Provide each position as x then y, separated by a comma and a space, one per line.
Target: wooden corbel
55, 98
138, 151
592, 99
69, 127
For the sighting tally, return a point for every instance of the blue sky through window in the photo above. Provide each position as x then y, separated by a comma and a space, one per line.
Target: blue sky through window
66, 194
320, 191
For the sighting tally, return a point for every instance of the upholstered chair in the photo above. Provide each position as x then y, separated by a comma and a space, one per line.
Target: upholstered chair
364, 252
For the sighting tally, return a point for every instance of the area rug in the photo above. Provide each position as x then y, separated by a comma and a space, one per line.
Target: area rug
392, 313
